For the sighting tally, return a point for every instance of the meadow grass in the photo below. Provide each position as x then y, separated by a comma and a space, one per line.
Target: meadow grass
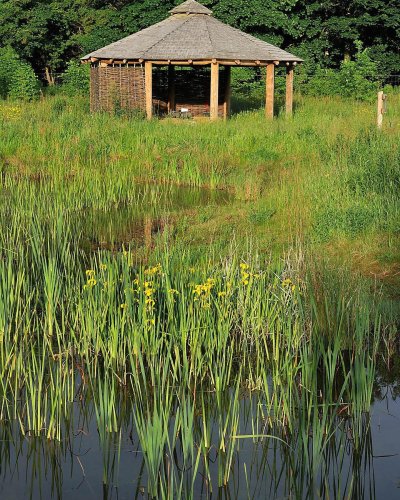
325, 176
169, 343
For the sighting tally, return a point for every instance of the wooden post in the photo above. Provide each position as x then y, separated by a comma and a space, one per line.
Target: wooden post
269, 101
289, 89
148, 71
171, 88
227, 101
214, 91
381, 98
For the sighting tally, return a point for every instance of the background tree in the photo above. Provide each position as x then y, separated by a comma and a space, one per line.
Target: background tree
49, 33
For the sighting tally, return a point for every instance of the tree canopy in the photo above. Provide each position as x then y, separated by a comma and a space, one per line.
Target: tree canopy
49, 33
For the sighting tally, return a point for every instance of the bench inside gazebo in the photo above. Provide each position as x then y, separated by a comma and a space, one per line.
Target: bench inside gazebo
182, 66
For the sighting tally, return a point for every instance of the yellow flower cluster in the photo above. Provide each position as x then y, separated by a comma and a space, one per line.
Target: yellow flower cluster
10, 111
203, 290
143, 290
244, 273
91, 279
149, 292
286, 283
152, 271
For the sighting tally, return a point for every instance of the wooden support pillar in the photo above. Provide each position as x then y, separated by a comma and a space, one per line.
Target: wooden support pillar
148, 72
214, 91
269, 101
227, 101
171, 88
289, 89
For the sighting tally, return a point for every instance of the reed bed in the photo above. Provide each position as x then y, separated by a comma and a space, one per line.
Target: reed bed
171, 348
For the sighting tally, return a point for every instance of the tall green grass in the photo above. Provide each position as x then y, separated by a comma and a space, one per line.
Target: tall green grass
327, 175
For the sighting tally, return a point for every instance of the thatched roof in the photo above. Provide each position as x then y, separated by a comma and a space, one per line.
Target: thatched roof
192, 33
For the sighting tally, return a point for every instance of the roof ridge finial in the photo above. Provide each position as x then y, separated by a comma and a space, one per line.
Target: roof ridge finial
191, 7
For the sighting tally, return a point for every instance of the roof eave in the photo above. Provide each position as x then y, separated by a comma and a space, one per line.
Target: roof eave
221, 60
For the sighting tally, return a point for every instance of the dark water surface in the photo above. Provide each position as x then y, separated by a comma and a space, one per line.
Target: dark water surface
86, 466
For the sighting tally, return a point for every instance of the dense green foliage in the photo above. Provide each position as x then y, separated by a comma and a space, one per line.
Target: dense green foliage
76, 79
17, 78
357, 78
48, 34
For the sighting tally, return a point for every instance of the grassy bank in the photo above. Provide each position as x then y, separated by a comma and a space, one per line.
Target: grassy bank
325, 177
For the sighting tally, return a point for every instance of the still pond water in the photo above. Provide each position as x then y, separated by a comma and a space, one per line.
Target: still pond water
139, 224
84, 467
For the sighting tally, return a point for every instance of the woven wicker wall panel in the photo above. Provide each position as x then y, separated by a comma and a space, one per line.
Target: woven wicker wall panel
124, 87
117, 87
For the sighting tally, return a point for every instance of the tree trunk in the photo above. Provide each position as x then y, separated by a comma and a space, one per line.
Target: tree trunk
49, 76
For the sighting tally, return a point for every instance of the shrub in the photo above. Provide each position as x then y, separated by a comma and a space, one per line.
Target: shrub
324, 82
359, 78
24, 83
356, 78
248, 82
17, 78
76, 78
8, 64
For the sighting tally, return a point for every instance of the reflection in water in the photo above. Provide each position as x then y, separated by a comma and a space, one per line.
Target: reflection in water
91, 463
140, 222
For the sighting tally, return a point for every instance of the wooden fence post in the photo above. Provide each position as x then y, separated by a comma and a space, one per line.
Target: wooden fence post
381, 108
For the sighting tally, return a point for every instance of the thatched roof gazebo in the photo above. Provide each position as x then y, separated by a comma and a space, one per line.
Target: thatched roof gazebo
190, 38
